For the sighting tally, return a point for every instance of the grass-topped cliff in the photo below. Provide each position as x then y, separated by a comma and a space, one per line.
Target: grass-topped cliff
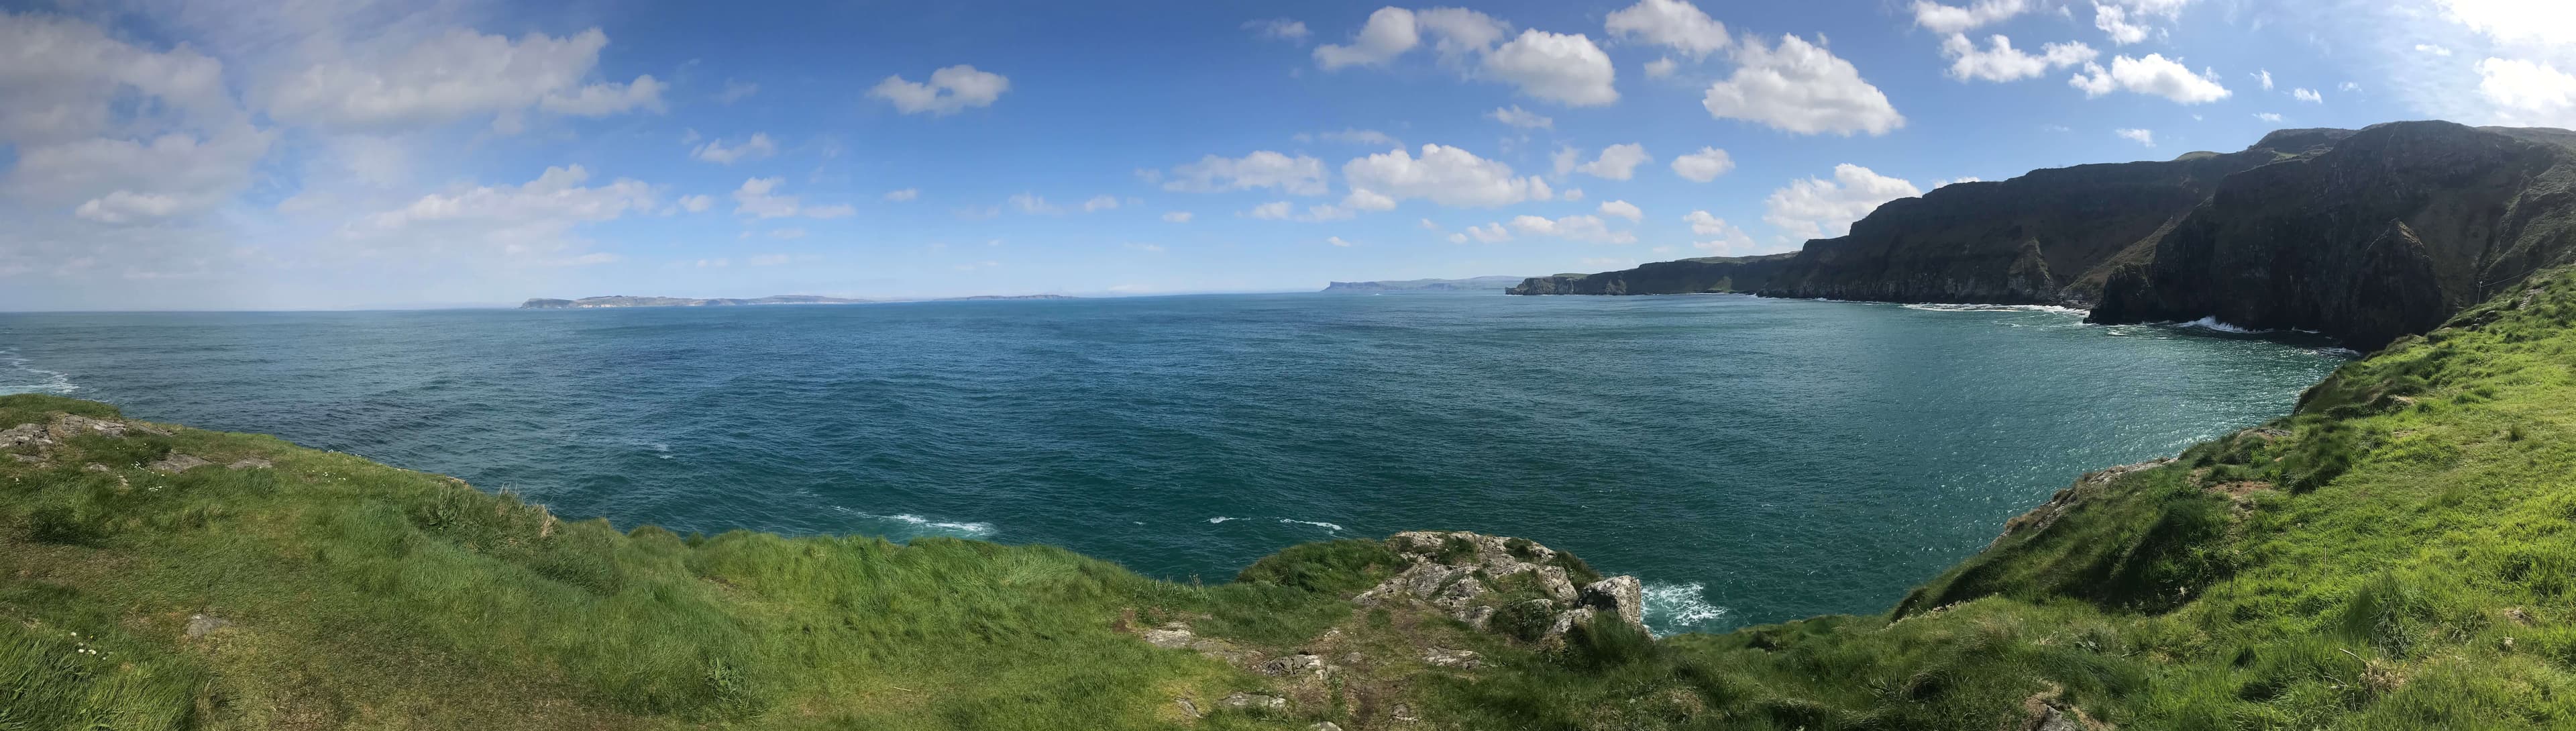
2399, 554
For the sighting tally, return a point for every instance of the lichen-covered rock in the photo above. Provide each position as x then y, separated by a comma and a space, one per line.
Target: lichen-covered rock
1465, 575
1620, 595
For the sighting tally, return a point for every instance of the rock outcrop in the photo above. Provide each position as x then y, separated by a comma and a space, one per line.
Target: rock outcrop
2384, 232
1507, 585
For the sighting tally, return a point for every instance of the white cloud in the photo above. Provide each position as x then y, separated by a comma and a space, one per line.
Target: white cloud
1577, 228
457, 75
949, 91
2001, 62
1491, 233
715, 151
1704, 165
1389, 33
1517, 117
2308, 95
1100, 203
697, 203
2264, 77
2528, 92
531, 220
2548, 23
1299, 175
2432, 49
2267, 116
129, 181
1723, 237
1562, 68
1177, 217
2348, 87
1445, 175
758, 198
1336, 241
2152, 75
1815, 208
2141, 136
1147, 248
1617, 162
1571, 195
1661, 67
1622, 209
1940, 18
1279, 28
2126, 21
1368, 200
1272, 211
1353, 135
1800, 87
1034, 204
787, 233
735, 91
1461, 32
1676, 24
903, 195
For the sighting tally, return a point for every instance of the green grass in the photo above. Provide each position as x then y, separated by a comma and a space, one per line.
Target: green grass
2398, 554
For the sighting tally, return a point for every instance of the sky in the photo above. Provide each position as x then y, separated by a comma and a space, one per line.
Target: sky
312, 155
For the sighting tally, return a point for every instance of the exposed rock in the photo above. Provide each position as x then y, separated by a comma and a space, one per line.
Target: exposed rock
176, 463
249, 463
94, 467
1297, 664
1170, 636
1255, 701
1569, 619
1188, 708
1622, 595
1447, 658
200, 625
1458, 572
1325, 726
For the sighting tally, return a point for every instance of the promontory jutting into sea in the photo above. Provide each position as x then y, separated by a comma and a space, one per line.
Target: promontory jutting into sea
1633, 365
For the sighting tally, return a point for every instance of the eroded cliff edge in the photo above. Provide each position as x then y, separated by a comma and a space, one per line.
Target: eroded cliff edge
2360, 234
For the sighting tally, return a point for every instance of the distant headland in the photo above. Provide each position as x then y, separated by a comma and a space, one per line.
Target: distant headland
1472, 284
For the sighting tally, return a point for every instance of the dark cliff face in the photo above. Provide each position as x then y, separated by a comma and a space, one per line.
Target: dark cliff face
2387, 232
2045, 237
1688, 276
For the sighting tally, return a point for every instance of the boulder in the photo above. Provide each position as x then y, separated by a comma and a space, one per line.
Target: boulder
1620, 595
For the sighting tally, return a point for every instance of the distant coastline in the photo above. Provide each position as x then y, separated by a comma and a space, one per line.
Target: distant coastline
1472, 284
619, 300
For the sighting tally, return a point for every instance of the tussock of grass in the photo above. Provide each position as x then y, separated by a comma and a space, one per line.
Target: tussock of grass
2398, 554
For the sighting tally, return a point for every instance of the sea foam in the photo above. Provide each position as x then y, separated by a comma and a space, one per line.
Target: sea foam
1672, 608
937, 527
36, 380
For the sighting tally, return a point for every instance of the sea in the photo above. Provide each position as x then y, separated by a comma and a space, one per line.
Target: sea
1752, 460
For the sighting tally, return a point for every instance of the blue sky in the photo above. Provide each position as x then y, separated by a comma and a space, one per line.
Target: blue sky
268, 155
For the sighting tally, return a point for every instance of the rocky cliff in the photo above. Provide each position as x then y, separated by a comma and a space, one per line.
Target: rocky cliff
2364, 235
2382, 233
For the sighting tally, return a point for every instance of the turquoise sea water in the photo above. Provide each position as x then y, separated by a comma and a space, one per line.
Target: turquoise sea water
1753, 460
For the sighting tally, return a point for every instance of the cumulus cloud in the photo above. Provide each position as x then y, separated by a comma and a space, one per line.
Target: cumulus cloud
758, 198
1800, 87
735, 91
2308, 95
1353, 135
1661, 67
1704, 165
1940, 18
1271, 211
2517, 22
2528, 92
2264, 77
903, 195
1715, 234
696, 203
1294, 175
1622, 209
1336, 241
949, 91
1815, 208
715, 151
1999, 61
1447, 176
461, 74
2267, 116
1674, 24
1616, 162
1389, 33
1576, 228
1177, 217
2127, 21
2432, 49
528, 219
1517, 117
1491, 233
1033, 203
1280, 28
2140, 136
1562, 68
2153, 75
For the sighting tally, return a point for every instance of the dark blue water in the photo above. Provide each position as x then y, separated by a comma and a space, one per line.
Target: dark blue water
1753, 460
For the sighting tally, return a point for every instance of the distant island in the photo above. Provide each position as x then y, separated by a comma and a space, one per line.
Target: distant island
619, 300
1475, 284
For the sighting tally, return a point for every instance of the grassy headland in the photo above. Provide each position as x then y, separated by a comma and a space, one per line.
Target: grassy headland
2398, 554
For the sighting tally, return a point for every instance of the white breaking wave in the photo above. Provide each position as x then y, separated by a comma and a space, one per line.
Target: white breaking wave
2211, 323
968, 529
1672, 608
1935, 307
1219, 519
1316, 523
36, 380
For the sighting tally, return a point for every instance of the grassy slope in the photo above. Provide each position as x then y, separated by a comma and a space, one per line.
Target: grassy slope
2396, 555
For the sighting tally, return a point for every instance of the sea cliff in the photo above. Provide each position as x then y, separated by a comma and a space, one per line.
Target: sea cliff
2363, 235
